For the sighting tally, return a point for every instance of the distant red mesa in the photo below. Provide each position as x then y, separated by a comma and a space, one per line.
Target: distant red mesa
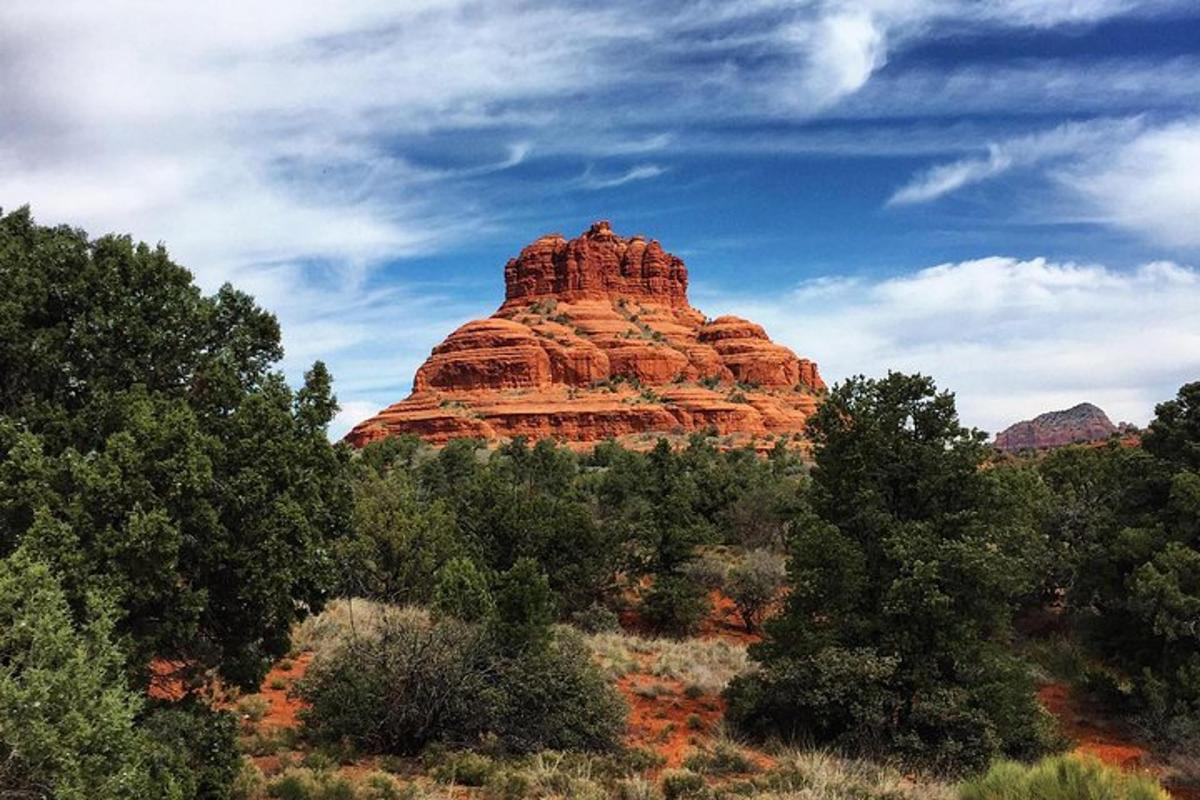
596, 340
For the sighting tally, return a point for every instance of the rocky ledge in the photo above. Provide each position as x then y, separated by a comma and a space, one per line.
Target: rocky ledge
596, 339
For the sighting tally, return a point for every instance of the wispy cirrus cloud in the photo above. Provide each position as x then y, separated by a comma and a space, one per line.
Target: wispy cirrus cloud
640, 172
1125, 173
1065, 141
299, 151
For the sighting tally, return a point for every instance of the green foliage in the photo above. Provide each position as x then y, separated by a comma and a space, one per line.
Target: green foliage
400, 539
462, 592
1060, 778
675, 605
903, 579
149, 451
410, 683
524, 608
464, 769
198, 746
754, 583
678, 784
67, 719
1134, 538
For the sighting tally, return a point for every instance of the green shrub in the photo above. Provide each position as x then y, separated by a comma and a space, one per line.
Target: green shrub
754, 583
67, 718
380, 786
463, 592
398, 689
250, 783
709, 569
681, 784
675, 605
412, 684
253, 707
305, 784
197, 745
1060, 778
464, 769
596, 619
723, 758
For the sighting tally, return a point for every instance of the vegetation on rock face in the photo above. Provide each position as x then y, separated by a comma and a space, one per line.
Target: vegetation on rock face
903, 580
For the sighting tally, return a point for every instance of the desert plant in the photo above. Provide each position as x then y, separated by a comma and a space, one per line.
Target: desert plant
681, 784
414, 683
462, 591
674, 605
1060, 778
754, 583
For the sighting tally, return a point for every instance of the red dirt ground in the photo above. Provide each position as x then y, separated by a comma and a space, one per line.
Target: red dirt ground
660, 721
1101, 738
284, 709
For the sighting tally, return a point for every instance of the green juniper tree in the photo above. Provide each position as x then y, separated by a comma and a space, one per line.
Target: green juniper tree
903, 577
149, 450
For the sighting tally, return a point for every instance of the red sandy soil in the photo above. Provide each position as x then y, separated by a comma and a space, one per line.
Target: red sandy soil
661, 722
724, 622
1092, 736
1101, 738
284, 709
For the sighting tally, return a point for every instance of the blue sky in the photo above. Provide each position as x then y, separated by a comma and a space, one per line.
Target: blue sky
1005, 195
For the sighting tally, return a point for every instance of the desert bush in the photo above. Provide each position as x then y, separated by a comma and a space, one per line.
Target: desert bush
709, 569
463, 592
723, 757
1060, 778
253, 707
674, 605
681, 784
345, 619
596, 619
413, 683
250, 783
195, 744
754, 583
397, 689
463, 769
299, 783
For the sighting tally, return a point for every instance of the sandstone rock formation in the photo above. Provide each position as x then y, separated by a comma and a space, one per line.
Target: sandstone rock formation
1082, 423
596, 339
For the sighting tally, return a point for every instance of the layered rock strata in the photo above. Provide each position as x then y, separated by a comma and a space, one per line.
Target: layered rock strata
596, 339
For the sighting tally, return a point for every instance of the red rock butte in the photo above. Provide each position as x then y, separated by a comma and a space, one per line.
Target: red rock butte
596, 339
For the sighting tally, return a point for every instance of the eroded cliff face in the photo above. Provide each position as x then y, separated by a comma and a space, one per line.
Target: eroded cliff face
596, 339
1079, 424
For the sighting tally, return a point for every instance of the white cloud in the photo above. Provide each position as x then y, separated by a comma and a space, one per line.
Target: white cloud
294, 148
1071, 139
1149, 185
1122, 173
640, 172
1012, 338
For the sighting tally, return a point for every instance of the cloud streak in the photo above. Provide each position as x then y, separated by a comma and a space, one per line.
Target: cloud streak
299, 151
